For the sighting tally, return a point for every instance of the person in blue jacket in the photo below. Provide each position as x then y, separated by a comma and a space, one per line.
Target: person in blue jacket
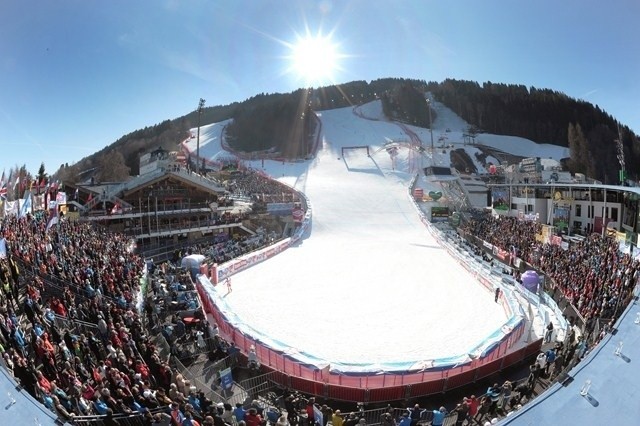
438, 416
405, 420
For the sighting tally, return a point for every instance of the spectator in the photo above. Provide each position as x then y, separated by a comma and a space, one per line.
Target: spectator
416, 414
239, 412
336, 418
405, 420
439, 416
462, 411
252, 418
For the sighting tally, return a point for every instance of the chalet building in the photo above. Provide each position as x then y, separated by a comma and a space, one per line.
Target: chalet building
167, 203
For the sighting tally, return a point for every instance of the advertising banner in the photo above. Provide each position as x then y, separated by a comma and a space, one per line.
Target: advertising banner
439, 214
298, 215
561, 217
500, 199
226, 379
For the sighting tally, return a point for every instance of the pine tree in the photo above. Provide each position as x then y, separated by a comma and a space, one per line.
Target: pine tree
580, 161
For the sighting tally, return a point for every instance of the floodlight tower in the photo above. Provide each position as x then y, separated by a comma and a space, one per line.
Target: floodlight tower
200, 106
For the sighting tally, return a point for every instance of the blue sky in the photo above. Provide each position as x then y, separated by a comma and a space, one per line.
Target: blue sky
75, 75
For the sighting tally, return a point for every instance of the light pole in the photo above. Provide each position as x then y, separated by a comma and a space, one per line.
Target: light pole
200, 106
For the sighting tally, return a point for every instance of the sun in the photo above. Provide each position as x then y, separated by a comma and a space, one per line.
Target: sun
315, 59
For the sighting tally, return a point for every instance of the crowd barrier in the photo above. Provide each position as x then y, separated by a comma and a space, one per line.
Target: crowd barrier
376, 387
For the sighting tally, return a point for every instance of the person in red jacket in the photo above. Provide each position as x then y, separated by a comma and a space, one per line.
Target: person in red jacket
473, 406
252, 418
310, 413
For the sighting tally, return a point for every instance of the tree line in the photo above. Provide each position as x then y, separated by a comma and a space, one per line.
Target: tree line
283, 124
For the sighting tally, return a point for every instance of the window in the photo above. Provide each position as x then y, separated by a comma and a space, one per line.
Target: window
577, 225
529, 208
614, 214
514, 207
578, 210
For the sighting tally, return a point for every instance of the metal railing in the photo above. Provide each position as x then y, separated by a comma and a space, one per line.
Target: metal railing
134, 419
211, 389
252, 388
75, 325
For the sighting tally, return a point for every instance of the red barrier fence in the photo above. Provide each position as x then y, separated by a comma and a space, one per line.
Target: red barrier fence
374, 387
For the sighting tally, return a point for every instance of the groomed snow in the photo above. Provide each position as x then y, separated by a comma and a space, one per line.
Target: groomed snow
369, 286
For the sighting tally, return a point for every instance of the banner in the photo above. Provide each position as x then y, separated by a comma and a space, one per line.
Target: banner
500, 199
53, 214
561, 217
61, 198
555, 240
298, 215
3, 248
11, 208
439, 214
37, 201
501, 254
226, 379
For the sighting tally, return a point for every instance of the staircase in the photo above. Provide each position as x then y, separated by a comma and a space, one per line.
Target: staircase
457, 193
107, 198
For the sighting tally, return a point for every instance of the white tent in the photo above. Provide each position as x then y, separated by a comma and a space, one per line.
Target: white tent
192, 261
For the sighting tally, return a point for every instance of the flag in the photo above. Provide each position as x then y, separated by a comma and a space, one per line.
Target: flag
116, 209
75, 194
3, 190
11, 208
25, 206
16, 182
61, 197
53, 214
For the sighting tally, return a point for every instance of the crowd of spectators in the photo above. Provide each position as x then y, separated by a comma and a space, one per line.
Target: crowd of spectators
593, 274
224, 249
507, 232
252, 184
84, 351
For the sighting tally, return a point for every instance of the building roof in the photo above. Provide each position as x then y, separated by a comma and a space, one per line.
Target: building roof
615, 384
26, 409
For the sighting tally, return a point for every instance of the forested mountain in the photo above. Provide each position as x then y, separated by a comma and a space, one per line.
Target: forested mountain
283, 124
545, 116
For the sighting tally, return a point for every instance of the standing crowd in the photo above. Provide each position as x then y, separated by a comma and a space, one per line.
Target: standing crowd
593, 275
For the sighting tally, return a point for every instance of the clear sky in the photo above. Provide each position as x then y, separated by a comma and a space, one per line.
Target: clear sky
75, 75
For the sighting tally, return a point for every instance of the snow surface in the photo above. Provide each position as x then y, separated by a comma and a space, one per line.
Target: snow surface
368, 286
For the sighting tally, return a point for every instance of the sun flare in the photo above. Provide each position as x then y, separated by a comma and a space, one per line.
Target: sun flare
315, 59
